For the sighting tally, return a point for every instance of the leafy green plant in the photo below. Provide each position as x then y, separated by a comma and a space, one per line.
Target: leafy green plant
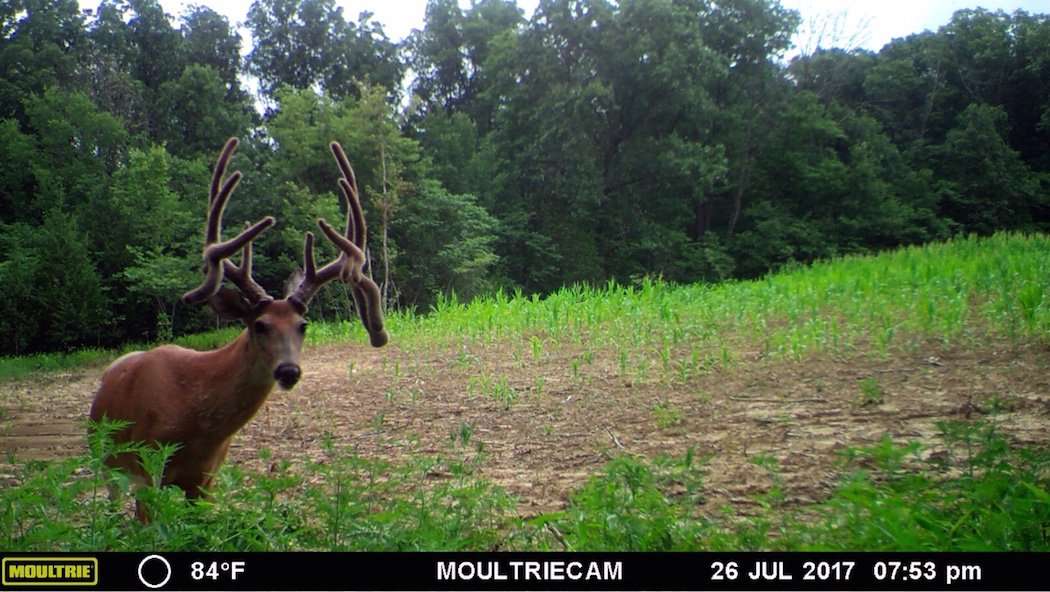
666, 415
1000, 501
980, 494
623, 509
871, 392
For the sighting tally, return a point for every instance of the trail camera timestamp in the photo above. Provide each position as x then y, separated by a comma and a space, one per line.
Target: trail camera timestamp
781, 571
928, 571
882, 571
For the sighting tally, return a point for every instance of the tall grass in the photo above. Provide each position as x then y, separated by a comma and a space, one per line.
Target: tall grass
943, 290
952, 292
15, 367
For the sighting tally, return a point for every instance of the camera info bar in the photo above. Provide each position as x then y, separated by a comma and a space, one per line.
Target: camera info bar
525, 571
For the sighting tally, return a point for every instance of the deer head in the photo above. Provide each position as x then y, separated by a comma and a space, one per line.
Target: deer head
277, 327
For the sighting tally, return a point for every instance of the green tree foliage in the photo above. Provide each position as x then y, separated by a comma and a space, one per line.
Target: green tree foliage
194, 115
55, 297
985, 182
77, 147
16, 173
210, 41
157, 44
447, 240
596, 140
963, 105
449, 55
41, 42
301, 43
107, 69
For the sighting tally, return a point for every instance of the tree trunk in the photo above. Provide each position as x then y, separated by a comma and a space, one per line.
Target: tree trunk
386, 259
747, 157
386, 223
702, 219
738, 196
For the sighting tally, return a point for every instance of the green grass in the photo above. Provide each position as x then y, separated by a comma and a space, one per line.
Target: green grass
982, 495
15, 367
343, 502
953, 292
948, 291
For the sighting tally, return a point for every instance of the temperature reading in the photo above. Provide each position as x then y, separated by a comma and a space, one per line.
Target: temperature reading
214, 570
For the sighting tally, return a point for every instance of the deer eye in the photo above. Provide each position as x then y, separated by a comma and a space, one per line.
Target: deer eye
302, 327
260, 327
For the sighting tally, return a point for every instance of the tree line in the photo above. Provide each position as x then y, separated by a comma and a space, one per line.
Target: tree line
594, 141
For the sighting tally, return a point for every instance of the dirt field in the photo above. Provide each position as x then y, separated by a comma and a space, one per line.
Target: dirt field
563, 424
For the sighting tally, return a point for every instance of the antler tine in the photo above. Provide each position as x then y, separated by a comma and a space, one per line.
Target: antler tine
241, 276
351, 254
344, 164
215, 252
216, 207
313, 278
220, 167
370, 308
355, 216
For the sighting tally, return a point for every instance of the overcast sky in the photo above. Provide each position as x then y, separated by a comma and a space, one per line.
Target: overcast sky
857, 23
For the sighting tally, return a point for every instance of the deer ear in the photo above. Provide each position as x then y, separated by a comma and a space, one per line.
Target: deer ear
231, 305
297, 305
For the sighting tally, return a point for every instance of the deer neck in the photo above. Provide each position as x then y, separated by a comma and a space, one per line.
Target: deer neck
241, 379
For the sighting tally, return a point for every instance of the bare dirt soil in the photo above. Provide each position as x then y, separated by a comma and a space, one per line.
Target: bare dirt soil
546, 427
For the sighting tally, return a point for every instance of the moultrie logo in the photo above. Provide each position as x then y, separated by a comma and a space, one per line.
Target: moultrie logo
50, 571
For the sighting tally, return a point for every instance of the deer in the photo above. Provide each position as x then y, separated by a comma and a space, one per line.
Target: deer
201, 400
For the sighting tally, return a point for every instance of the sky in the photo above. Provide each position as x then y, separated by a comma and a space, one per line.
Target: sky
872, 24
851, 23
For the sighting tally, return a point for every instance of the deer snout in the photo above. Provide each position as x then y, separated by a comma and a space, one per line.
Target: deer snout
287, 375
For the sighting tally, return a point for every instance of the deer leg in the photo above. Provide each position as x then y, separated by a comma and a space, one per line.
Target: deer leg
141, 512
199, 483
128, 464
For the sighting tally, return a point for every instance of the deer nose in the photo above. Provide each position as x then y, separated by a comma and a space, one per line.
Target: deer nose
287, 375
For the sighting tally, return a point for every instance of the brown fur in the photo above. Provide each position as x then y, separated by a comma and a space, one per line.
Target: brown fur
197, 399
200, 400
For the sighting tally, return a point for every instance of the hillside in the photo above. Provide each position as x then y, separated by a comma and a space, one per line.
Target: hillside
744, 396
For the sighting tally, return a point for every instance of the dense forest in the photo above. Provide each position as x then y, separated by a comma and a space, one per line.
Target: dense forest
595, 141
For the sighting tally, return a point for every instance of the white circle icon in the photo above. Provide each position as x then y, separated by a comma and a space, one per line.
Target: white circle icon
166, 565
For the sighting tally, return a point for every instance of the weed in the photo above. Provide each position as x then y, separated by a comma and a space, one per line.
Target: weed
666, 415
871, 392
464, 359
377, 421
1000, 501
465, 432
623, 509
498, 389
537, 385
984, 495
537, 347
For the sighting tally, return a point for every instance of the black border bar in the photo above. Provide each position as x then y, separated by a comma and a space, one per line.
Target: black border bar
560, 571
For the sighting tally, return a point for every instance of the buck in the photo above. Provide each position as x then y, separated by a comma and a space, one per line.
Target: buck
200, 400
